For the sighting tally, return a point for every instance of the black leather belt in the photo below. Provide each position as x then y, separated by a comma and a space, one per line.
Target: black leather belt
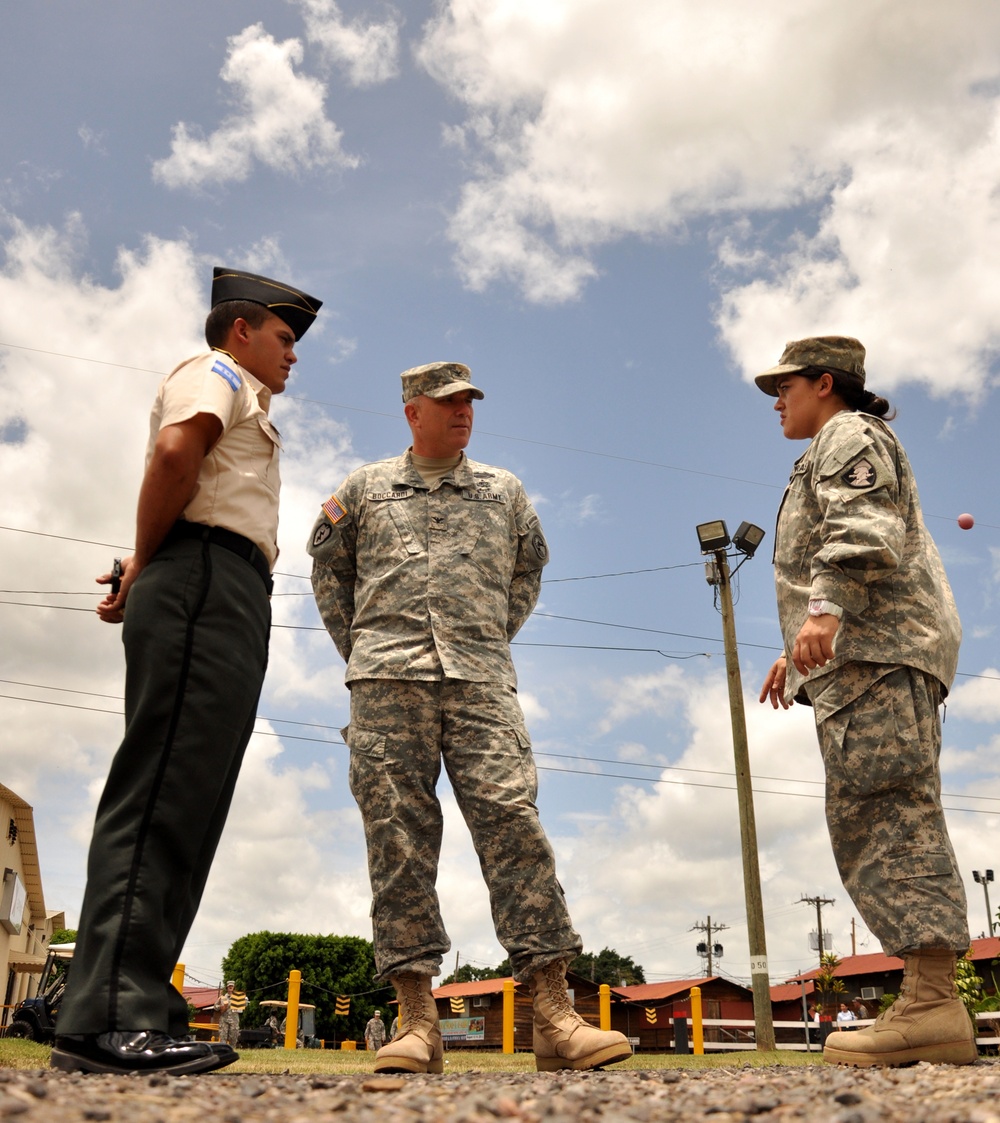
228, 540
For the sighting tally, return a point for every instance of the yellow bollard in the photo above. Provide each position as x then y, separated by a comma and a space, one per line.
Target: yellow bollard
605, 1005
697, 1027
508, 1015
177, 978
292, 1014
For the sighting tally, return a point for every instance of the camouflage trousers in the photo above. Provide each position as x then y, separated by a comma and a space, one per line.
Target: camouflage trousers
883, 808
229, 1028
400, 733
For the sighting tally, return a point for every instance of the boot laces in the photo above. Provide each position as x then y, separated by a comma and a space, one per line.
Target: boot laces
410, 992
555, 978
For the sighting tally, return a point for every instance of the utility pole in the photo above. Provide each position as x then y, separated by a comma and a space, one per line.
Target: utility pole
708, 928
819, 902
763, 1019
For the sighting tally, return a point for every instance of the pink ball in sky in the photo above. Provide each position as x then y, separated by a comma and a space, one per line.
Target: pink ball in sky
966, 522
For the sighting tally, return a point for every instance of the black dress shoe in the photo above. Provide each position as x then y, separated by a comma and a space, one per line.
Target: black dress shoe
225, 1054
133, 1051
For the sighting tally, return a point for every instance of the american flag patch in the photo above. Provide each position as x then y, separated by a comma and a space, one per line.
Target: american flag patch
334, 509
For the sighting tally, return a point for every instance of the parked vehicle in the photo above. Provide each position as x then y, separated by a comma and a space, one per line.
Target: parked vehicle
306, 1036
35, 1018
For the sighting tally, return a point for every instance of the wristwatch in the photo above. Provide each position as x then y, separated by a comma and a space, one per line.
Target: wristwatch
825, 608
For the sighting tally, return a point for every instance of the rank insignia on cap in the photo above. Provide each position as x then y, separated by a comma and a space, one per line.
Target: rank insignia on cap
860, 475
334, 510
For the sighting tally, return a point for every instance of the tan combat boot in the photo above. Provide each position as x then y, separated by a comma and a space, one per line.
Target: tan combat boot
927, 1022
561, 1038
417, 1045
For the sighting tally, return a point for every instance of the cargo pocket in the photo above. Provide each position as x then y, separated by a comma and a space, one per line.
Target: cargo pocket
365, 774
874, 746
527, 759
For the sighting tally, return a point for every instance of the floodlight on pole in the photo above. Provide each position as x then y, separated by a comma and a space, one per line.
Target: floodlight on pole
713, 537
984, 879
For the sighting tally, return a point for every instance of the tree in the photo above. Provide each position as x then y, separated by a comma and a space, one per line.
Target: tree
608, 967
467, 973
260, 963
826, 982
63, 936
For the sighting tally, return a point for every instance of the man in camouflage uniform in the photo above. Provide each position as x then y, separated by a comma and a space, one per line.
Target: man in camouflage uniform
375, 1032
229, 1016
424, 568
871, 643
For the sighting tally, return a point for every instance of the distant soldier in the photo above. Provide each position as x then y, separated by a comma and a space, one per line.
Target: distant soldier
229, 1015
871, 643
375, 1032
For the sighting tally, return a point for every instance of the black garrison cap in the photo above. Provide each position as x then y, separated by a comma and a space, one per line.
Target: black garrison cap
296, 308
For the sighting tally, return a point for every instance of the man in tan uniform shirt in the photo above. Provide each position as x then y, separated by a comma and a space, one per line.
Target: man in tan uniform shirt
195, 602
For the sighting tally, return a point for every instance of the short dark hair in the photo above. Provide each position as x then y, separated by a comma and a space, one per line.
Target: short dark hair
224, 315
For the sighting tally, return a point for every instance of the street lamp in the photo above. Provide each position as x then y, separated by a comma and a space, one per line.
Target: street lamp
713, 537
984, 879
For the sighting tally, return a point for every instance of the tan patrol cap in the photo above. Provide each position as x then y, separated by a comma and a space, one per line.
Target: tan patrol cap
827, 352
438, 380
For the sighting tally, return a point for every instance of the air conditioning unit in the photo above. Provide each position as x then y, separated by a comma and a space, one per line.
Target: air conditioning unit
482, 1000
871, 994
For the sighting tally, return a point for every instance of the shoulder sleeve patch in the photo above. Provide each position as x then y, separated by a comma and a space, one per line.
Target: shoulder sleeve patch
861, 475
334, 510
227, 374
323, 532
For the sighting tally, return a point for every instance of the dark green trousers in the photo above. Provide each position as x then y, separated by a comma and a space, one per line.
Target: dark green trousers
195, 634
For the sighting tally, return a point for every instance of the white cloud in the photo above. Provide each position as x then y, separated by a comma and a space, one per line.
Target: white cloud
588, 122
280, 121
977, 699
369, 52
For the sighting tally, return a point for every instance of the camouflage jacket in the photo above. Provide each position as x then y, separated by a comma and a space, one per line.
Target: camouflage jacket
850, 530
427, 583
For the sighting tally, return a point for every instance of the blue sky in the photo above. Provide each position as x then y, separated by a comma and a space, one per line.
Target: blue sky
615, 214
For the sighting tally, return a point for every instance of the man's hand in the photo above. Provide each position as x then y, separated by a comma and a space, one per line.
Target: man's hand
774, 685
814, 645
112, 609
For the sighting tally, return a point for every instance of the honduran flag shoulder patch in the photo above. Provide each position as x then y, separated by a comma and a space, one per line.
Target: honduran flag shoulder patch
227, 374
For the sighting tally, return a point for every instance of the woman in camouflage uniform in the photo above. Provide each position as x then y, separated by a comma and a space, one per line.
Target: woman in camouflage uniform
871, 638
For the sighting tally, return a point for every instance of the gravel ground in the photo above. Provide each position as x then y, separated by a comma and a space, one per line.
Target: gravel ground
921, 1094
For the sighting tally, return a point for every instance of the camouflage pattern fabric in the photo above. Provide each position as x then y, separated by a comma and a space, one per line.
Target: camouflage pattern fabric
427, 583
229, 1027
883, 808
375, 1033
400, 733
850, 530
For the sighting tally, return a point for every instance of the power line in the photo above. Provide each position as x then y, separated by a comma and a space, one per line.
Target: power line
483, 432
536, 752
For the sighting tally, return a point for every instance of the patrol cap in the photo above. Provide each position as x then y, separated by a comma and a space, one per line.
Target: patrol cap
378, 1013
438, 380
827, 352
230, 983
296, 308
